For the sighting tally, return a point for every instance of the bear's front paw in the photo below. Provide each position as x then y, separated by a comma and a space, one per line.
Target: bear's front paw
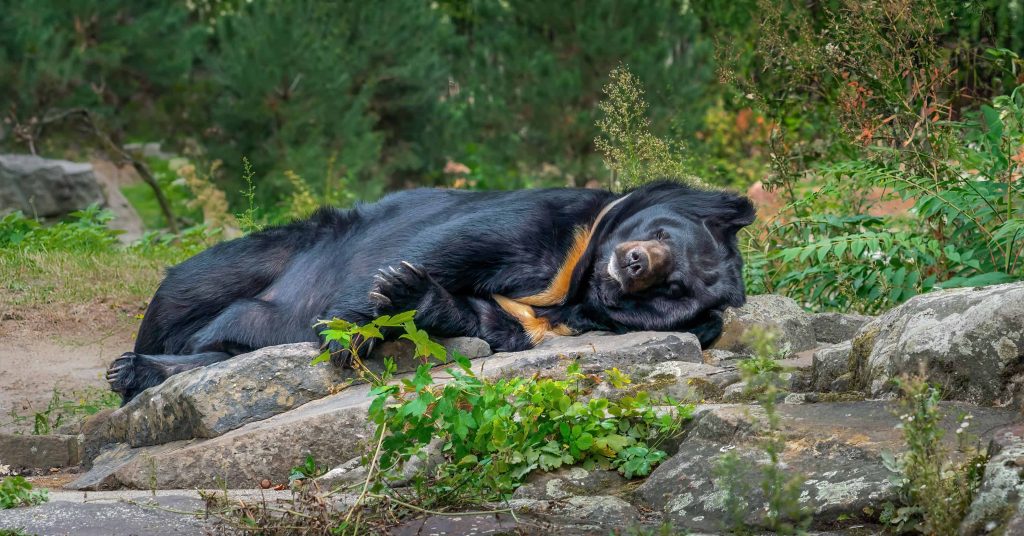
399, 289
121, 373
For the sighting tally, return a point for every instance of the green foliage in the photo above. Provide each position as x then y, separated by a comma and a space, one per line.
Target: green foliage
304, 85
632, 153
493, 432
936, 486
860, 102
309, 469
15, 491
248, 220
966, 227
84, 230
109, 57
529, 72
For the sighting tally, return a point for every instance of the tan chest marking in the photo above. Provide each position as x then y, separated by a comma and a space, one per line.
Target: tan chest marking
536, 328
557, 290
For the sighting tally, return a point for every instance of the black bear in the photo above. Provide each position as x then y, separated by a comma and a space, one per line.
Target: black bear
508, 267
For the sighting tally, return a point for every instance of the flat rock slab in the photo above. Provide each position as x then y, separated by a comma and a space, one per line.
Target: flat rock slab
836, 447
66, 518
212, 400
28, 452
172, 432
122, 513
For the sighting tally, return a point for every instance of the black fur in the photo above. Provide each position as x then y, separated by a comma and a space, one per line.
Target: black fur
459, 248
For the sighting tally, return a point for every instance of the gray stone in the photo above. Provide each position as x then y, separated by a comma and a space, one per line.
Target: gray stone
717, 357
237, 407
835, 447
332, 430
46, 188
793, 328
568, 482
829, 363
832, 328
27, 452
735, 393
681, 380
578, 513
151, 516
1002, 487
210, 401
596, 352
970, 341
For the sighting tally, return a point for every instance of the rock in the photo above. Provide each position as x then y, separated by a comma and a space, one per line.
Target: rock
793, 328
597, 352
248, 411
969, 340
681, 380
210, 401
832, 328
568, 482
28, 452
46, 188
152, 516
835, 447
829, 363
735, 392
1002, 487
577, 513
332, 430
717, 357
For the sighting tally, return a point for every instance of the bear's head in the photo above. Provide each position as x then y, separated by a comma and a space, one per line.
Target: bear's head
667, 255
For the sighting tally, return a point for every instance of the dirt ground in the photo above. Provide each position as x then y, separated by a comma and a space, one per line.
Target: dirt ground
45, 348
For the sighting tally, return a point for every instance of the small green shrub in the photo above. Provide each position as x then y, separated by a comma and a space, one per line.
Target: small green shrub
308, 469
84, 230
633, 153
784, 513
935, 485
15, 491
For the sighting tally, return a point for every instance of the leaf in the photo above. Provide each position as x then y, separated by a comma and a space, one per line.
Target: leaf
324, 357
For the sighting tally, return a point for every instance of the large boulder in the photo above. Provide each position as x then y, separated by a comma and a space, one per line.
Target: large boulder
46, 188
793, 328
998, 501
969, 340
213, 400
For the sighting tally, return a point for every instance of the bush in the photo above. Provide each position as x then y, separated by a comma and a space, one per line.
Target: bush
493, 432
15, 491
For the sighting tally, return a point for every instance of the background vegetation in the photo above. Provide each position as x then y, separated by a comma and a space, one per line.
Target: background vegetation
889, 133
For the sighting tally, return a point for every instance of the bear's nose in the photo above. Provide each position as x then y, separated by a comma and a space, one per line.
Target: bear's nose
635, 261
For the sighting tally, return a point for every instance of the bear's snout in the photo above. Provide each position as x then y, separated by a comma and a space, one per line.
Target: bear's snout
641, 264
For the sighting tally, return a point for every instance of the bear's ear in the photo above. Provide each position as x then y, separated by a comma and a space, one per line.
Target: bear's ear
735, 213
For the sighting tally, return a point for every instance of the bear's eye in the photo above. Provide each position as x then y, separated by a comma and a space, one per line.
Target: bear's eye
660, 234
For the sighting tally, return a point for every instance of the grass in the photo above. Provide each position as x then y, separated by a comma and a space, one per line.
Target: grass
60, 278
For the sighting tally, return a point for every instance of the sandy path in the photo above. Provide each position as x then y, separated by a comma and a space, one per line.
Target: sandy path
70, 352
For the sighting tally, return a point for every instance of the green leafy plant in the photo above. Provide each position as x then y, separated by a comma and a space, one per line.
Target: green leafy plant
249, 219
84, 230
936, 485
308, 469
491, 433
15, 491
